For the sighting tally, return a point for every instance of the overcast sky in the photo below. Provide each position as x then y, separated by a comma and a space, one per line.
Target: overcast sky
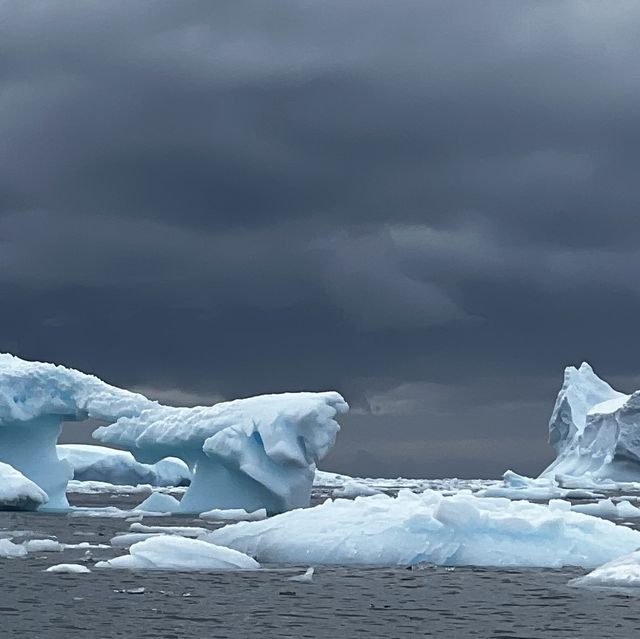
431, 207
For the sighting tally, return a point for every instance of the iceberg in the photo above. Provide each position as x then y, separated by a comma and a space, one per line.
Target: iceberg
112, 466
35, 398
170, 552
595, 431
259, 452
17, 492
413, 528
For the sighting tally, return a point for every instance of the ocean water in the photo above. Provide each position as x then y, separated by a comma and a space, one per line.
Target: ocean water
340, 602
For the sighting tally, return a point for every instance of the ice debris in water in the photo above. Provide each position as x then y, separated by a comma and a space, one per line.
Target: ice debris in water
170, 552
68, 569
429, 527
17, 492
306, 578
622, 572
233, 514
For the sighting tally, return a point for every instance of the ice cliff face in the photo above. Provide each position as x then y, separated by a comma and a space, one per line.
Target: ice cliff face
594, 429
252, 453
35, 398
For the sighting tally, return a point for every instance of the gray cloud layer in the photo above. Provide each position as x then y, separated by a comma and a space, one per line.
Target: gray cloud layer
431, 207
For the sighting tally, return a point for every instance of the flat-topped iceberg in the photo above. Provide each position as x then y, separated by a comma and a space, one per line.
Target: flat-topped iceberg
101, 463
253, 453
35, 398
249, 454
595, 430
429, 527
17, 492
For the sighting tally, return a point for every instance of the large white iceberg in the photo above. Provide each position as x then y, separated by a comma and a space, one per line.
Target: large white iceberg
253, 453
429, 527
171, 552
17, 492
594, 429
101, 463
249, 454
35, 398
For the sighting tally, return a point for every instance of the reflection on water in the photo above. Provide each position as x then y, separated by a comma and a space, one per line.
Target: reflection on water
341, 602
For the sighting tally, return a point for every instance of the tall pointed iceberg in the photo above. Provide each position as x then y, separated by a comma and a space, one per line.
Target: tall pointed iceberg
594, 429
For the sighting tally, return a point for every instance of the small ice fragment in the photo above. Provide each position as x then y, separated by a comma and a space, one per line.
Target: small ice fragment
307, 578
68, 568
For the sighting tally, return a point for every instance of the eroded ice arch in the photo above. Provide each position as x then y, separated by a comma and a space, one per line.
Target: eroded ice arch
35, 398
594, 429
253, 453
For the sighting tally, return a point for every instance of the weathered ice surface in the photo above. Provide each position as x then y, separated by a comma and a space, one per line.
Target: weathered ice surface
101, 463
253, 453
411, 528
595, 431
17, 492
35, 398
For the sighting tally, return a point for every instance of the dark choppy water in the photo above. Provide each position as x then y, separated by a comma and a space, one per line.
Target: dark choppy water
341, 602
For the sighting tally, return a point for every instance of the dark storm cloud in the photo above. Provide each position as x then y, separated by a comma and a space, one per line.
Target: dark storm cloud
431, 207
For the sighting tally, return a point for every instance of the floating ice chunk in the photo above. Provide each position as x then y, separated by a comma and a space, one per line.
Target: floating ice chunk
184, 531
608, 508
595, 430
43, 545
17, 492
170, 552
9, 549
112, 512
516, 486
124, 540
76, 569
429, 527
103, 488
622, 572
307, 578
353, 488
112, 466
253, 453
233, 514
140, 532
159, 502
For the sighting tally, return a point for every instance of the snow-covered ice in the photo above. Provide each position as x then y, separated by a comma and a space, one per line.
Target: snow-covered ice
516, 486
622, 572
35, 398
159, 502
429, 527
171, 552
305, 578
9, 549
43, 545
595, 430
353, 488
113, 466
74, 569
17, 492
234, 514
253, 453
